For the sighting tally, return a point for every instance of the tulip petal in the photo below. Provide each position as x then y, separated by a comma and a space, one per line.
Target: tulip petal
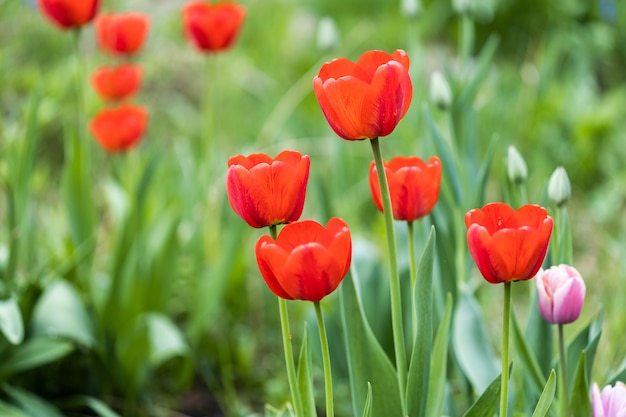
342, 103
568, 300
310, 273
271, 259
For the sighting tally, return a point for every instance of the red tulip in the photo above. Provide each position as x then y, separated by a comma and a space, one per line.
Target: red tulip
508, 245
366, 99
69, 13
212, 27
116, 83
122, 34
306, 261
265, 191
413, 186
119, 129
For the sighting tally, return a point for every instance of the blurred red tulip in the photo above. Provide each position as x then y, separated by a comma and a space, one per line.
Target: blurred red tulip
413, 186
212, 27
508, 245
120, 128
366, 99
122, 34
69, 13
265, 191
307, 261
116, 83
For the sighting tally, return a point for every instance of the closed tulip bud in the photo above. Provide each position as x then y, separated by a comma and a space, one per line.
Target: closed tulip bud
561, 292
516, 166
327, 33
559, 187
440, 92
611, 402
462, 6
410, 8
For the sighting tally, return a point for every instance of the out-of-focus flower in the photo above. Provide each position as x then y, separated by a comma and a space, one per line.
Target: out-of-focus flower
516, 166
561, 292
265, 191
116, 83
327, 33
119, 129
366, 99
122, 34
611, 402
413, 186
212, 27
307, 261
68, 14
506, 244
440, 92
559, 187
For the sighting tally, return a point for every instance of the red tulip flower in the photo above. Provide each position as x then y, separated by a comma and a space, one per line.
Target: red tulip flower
119, 129
366, 99
413, 186
69, 14
212, 27
265, 191
122, 34
116, 83
508, 245
307, 261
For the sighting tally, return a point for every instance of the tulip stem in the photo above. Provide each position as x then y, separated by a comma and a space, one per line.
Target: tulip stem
286, 333
328, 379
394, 278
563, 359
413, 272
504, 379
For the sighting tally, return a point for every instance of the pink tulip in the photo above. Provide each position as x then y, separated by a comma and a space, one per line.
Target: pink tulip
561, 294
611, 402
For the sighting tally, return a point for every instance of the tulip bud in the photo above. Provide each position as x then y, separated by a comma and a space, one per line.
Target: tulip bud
462, 6
561, 292
327, 33
440, 92
516, 166
559, 187
410, 8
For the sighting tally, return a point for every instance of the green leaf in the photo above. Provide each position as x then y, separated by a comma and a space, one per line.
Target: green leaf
438, 366
526, 355
305, 386
483, 173
34, 353
419, 369
367, 410
11, 323
7, 410
580, 403
286, 411
60, 313
539, 336
166, 340
367, 362
487, 404
30, 403
468, 93
471, 343
547, 395
99, 407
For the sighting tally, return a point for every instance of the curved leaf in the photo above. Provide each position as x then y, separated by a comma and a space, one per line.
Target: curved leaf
11, 323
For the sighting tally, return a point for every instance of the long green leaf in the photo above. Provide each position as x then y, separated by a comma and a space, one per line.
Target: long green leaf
482, 66
34, 353
98, 406
419, 369
367, 362
30, 403
487, 404
305, 384
367, 410
539, 336
527, 357
580, 403
7, 410
438, 365
547, 395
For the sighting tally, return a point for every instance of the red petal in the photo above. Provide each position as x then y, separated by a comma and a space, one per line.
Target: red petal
311, 273
271, 259
342, 103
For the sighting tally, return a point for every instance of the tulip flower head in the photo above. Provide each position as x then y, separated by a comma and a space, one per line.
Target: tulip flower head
116, 83
366, 99
611, 402
119, 129
122, 34
413, 186
506, 244
212, 28
307, 261
265, 191
69, 14
561, 292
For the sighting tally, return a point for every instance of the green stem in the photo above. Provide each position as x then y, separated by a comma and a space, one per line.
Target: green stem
467, 38
286, 333
394, 277
563, 390
413, 272
504, 380
328, 378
